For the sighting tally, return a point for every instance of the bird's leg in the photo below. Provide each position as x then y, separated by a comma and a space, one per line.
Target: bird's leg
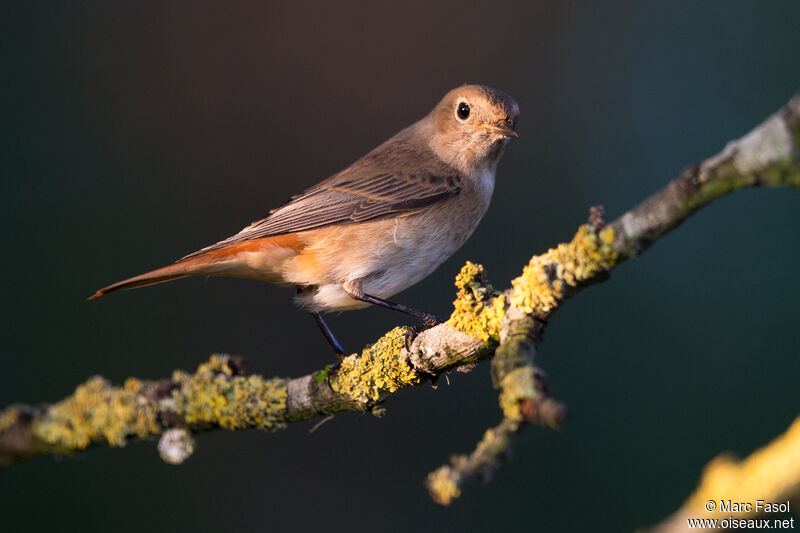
337, 348
353, 289
427, 318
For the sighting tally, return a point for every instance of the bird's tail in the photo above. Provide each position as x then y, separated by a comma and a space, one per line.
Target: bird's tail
160, 275
230, 260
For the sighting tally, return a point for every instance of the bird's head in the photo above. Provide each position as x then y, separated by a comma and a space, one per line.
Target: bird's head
471, 126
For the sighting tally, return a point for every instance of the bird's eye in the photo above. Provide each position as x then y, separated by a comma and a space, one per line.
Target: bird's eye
462, 111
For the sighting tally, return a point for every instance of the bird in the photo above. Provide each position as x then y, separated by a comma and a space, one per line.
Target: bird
377, 227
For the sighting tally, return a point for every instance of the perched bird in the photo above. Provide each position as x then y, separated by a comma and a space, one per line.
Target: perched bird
380, 225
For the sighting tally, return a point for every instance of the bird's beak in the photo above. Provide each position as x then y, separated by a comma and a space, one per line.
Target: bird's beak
503, 127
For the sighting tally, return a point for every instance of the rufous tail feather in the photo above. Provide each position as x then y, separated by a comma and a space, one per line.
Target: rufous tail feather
167, 273
213, 262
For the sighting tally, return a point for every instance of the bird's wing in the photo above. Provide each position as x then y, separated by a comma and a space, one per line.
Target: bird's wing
353, 195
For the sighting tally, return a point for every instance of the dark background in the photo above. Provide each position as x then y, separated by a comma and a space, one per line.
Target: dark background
134, 133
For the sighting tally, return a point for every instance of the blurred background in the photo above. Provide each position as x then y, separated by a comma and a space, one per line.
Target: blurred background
134, 133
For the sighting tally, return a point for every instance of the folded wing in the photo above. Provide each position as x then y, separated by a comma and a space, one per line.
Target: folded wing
350, 196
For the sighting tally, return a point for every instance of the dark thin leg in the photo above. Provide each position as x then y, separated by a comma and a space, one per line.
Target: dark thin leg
353, 289
426, 318
329, 335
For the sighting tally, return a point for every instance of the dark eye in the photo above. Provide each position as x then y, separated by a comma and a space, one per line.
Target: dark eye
462, 111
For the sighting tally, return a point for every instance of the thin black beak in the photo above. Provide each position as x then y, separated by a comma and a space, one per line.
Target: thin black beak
505, 127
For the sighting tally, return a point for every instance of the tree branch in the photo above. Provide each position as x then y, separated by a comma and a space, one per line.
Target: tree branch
770, 474
484, 322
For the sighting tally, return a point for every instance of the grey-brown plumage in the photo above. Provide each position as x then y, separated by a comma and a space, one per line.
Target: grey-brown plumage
380, 225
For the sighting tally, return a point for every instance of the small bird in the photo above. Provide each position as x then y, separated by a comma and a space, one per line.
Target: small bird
380, 225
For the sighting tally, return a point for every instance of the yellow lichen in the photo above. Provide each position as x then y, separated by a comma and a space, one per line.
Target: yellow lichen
494, 442
478, 308
8, 418
216, 364
442, 485
547, 278
378, 371
517, 385
769, 474
214, 396
97, 412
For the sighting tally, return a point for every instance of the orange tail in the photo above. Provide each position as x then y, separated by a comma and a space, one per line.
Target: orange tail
167, 273
216, 262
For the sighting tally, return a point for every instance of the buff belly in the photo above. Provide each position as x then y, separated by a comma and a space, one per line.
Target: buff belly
386, 256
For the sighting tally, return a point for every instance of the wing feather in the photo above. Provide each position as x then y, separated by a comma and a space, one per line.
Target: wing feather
353, 195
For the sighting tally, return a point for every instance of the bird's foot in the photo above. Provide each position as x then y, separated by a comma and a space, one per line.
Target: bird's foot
334, 367
428, 322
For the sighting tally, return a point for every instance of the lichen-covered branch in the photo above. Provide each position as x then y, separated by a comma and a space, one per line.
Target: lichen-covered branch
770, 475
767, 156
523, 399
217, 395
506, 325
